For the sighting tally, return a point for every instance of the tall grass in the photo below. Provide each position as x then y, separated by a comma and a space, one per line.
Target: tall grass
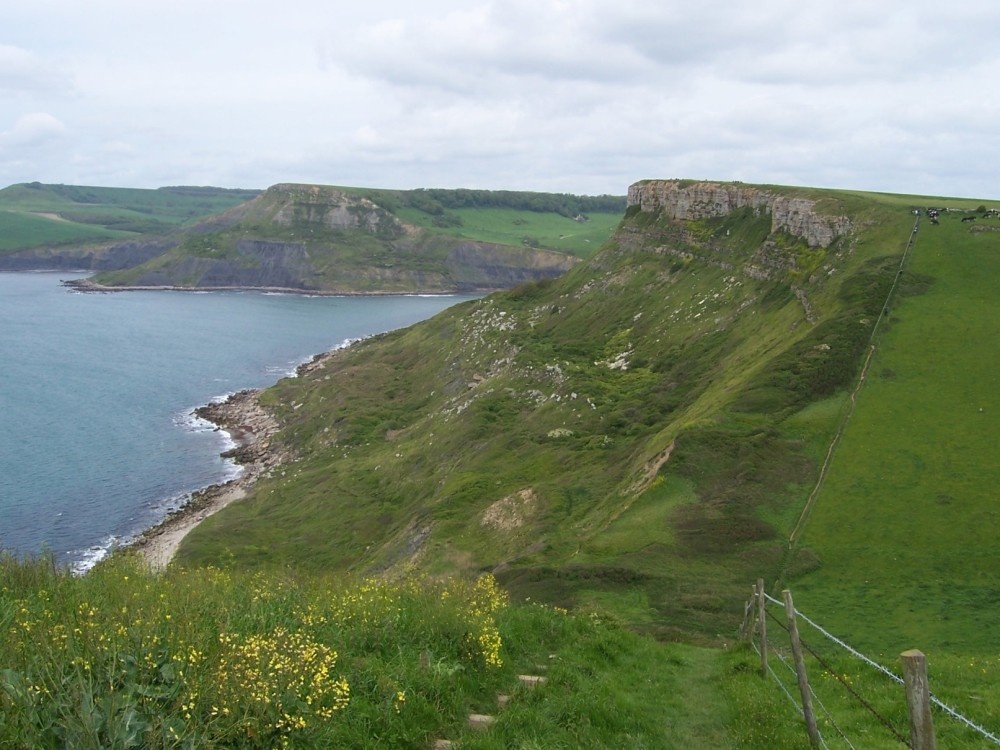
203, 658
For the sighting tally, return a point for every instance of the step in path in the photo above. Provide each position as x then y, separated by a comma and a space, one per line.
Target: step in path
482, 722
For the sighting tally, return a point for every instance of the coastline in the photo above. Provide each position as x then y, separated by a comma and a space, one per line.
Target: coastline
251, 428
86, 285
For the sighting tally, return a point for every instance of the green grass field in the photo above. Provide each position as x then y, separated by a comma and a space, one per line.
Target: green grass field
23, 230
511, 227
905, 525
121, 658
38, 215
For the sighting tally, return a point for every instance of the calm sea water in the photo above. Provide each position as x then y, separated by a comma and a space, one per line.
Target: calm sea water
97, 436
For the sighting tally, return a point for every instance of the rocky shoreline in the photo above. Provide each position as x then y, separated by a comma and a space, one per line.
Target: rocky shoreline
252, 428
89, 286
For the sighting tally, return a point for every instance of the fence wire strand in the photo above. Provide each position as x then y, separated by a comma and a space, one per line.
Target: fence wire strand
791, 698
812, 692
964, 720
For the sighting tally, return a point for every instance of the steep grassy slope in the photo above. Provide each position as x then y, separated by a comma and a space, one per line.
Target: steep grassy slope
320, 238
34, 215
639, 434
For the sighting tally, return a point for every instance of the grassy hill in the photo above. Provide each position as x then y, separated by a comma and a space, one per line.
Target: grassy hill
121, 658
573, 224
36, 215
312, 238
640, 434
350, 240
639, 439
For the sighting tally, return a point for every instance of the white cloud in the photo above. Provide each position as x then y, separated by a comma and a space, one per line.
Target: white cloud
23, 71
574, 95
33, 130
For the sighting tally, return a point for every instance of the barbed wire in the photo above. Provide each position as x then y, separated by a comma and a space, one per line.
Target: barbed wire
813, 692
967, 722
847, 686
798, 613
791, 698
816, 698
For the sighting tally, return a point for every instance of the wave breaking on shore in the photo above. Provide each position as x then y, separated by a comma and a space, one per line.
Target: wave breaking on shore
250, 428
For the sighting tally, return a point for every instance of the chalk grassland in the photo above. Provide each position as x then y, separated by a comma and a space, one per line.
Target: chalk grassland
905, 526
351, 240
38, 215
502, 434
505, 434
213, 658
19, 231
635, 436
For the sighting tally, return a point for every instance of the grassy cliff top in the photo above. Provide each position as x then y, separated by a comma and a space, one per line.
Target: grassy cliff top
642, 434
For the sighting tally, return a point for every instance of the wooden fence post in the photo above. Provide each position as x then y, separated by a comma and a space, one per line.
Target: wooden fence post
762, 622
918, 700
800, 671
749, 624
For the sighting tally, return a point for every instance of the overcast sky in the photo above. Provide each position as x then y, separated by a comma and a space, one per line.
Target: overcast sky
580, 96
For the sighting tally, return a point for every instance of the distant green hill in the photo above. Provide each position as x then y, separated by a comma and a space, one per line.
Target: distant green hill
320, 238
640, 434
556, 221
36, 215
302, 237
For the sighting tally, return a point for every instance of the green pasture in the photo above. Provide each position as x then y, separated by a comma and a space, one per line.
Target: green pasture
905, 527
19, 231
41, 215
512, 227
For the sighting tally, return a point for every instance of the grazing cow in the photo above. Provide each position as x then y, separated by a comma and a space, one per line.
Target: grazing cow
968, 218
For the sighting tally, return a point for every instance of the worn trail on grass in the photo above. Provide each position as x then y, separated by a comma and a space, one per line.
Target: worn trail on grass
700, 715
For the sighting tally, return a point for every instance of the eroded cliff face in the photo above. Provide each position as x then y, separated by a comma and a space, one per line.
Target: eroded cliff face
701, 200
97, 258
331, 208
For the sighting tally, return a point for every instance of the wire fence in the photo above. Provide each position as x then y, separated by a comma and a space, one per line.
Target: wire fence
796, 533
884, 705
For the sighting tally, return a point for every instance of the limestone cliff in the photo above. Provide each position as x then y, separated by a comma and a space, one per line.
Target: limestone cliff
330, 208
700, 200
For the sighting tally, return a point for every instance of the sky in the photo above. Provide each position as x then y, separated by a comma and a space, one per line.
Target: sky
577, 96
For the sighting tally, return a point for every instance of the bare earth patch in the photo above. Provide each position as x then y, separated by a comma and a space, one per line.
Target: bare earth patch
509, 512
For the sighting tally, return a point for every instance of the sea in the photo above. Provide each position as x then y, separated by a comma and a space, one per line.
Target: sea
98, 437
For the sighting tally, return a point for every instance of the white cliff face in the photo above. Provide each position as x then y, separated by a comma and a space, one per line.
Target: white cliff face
701, 200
